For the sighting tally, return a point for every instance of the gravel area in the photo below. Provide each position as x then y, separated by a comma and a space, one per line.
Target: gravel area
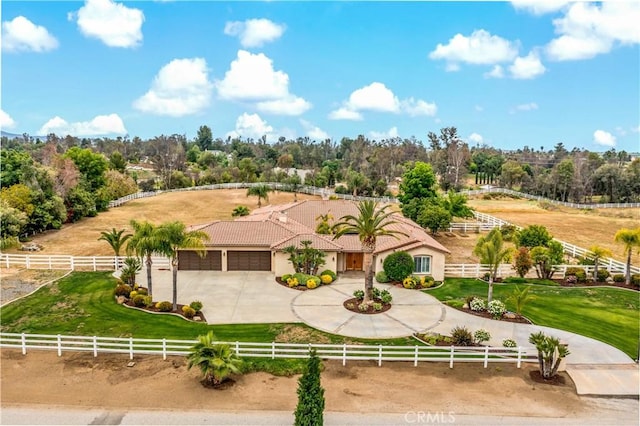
20, 282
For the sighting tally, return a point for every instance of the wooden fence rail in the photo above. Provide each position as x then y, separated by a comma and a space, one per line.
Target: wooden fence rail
165, 347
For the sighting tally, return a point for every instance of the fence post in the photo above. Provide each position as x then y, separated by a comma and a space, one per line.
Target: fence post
379, 355
451, 358
50, 267
486, 356
59, 345
273, 350
95, 346
130, 347
94, 263
24, 344
237, 348
415, 358
27, 263
71, 262
519, 356
344, 354
164, 349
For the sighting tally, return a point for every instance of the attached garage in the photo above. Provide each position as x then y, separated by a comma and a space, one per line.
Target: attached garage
189, 260
248, 260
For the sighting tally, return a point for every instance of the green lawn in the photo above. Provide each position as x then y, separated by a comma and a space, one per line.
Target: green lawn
607, 314
83, 304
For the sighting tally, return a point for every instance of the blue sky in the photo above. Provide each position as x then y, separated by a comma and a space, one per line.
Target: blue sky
506, 74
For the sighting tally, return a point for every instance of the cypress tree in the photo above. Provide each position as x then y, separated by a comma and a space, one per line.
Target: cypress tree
309, 411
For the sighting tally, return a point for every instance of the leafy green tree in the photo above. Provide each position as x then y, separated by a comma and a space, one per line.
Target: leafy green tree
356, 182
522, 262
12, 223
80, 203
204, 138
512, 173
91, 165
310, 408
144, 243
216, 361
261, 191
550, 353
456, 204
118, 185
117, 162
546, 258
491, 251
115, 238
173, 236
434, 217
418, 183
16, 166
306, 259
597, 253
324, 226
631, 240
372, 222
533, 236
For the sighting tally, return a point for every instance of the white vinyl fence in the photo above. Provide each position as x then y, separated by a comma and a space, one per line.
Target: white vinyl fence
344, 353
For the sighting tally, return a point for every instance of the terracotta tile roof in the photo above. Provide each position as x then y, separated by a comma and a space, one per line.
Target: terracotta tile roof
317, 241
245, 233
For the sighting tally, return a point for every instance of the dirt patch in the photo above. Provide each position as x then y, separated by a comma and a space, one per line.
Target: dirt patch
297, 334
80, 380
560, 379
20, 282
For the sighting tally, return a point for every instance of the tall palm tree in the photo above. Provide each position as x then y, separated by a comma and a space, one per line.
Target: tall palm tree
597, 253
216, 360
371, 223
144, 244
491, 251
261, 191
631, 239
115, 239
174, 236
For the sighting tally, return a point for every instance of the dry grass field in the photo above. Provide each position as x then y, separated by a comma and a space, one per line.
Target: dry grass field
192, 208
583, 228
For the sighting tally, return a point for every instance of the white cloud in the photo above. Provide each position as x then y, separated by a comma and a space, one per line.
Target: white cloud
345, 114
496, 72
314, 132
415, 108
452, 67
254, 32
291, 105
539, 7
479, 48
113, 23
180, 88
601, 137
21, 34
6, 122
250, 126
476, 138
101, 125
478, 108
527, 67
531, 106
589, 29
636, 129
390, 134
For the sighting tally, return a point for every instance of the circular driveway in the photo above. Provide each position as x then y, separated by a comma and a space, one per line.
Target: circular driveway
411, 311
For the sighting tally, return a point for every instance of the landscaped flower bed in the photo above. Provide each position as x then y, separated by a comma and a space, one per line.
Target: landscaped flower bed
381, 302
138, 298
303, 282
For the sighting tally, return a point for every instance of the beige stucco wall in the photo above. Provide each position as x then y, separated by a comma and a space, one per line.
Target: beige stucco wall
281, 264
437, 260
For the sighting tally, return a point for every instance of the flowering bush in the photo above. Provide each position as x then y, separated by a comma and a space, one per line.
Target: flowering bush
496, 308
410, 282
326, 279
477, 305
164, 306
330, 273
427, 281
377, 306
481, 336
358, 294
363, 307
311, 284
292, 282
188, 311
571, 279
509, 343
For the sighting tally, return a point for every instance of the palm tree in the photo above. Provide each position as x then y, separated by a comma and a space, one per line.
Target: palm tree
550, 353
371, 223
261, 191
597, 253
144, 243
491, 251
216, 360
174, 236
631, 239
115, 239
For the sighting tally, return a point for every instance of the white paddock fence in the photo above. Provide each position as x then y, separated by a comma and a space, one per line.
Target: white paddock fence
165, 347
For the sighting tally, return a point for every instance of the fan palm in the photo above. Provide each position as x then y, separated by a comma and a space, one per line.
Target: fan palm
631, 239
597, 253
491, 251
215, 360
261, 191
115, 239
144, 243
371, 223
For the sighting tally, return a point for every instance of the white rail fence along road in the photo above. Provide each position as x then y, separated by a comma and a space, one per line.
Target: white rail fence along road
344, 353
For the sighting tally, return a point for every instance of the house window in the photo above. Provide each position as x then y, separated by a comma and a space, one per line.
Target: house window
422, 264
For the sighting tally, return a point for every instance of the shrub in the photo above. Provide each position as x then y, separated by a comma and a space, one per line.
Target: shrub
427, 281
125, 290
196, 305
292, 282
143, 291
635, 280
315, 280
509, 343
148, 301
303, 278
572, 271
326, 279
330, 273
571, 279
240, 211
188, 311
410, 282
508, 232
341, 189
358, 294
311, 284
285, 278
496, 308
460, 336
382, 277
377, 306
618, 278
133, 294
477, 305
164, 306
139, 300
602, 275
398, 265
482, 336
581, 276
386, 297
522, 262
363, 307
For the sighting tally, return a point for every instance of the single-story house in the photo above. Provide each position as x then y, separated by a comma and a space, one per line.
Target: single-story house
257, 242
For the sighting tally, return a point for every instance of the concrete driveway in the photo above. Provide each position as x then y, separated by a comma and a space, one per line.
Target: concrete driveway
228, 297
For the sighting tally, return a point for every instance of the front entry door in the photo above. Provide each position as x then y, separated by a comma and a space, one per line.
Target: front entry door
354, 261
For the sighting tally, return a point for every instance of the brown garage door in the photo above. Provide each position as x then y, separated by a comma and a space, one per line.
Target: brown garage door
249, 260
190, 261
